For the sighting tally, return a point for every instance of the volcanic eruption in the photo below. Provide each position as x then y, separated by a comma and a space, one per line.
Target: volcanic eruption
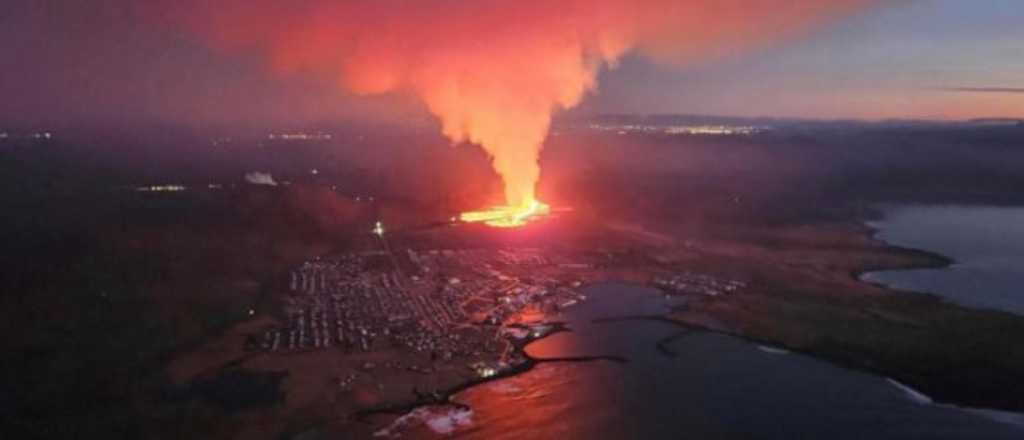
492, 71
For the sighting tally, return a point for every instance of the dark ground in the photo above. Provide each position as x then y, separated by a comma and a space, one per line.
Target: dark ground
102, 285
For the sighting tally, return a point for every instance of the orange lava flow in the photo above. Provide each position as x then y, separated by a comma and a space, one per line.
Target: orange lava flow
508, 216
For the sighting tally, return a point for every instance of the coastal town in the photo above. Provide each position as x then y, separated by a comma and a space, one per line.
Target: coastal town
697, 284
448, 305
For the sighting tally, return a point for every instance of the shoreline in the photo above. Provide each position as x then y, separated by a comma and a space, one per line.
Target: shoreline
445, 397
874, 360
1001, 416
912, 259
814, 270
936, 260
768, 346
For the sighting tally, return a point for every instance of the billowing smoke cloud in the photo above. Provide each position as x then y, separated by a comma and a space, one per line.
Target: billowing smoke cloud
492, 71
258, 178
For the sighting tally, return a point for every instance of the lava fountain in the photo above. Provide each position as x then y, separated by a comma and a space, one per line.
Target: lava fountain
493, 72
508, 216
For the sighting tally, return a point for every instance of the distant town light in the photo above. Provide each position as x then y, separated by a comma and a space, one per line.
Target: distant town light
378, 229
702, 130
161, 188
301, 136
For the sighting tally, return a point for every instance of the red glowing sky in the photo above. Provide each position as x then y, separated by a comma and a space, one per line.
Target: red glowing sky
187, 61
493, 72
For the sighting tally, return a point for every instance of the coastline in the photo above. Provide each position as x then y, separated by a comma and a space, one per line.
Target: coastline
1007, 417
805, 297
444, 397
866, 361
932, 260
905, 314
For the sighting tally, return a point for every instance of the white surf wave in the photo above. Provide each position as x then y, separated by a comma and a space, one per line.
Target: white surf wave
505, 387
912, 394
1007, 417
772, 350
441, 420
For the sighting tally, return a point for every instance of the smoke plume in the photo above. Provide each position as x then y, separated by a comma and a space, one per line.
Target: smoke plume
492, 71
258, 178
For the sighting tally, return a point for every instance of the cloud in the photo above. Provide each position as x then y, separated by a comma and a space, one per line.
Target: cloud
983, 89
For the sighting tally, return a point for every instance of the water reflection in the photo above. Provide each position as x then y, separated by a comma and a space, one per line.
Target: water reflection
716, 387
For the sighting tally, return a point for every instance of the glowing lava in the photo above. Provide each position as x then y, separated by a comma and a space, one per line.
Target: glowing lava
508, 216
493, 72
